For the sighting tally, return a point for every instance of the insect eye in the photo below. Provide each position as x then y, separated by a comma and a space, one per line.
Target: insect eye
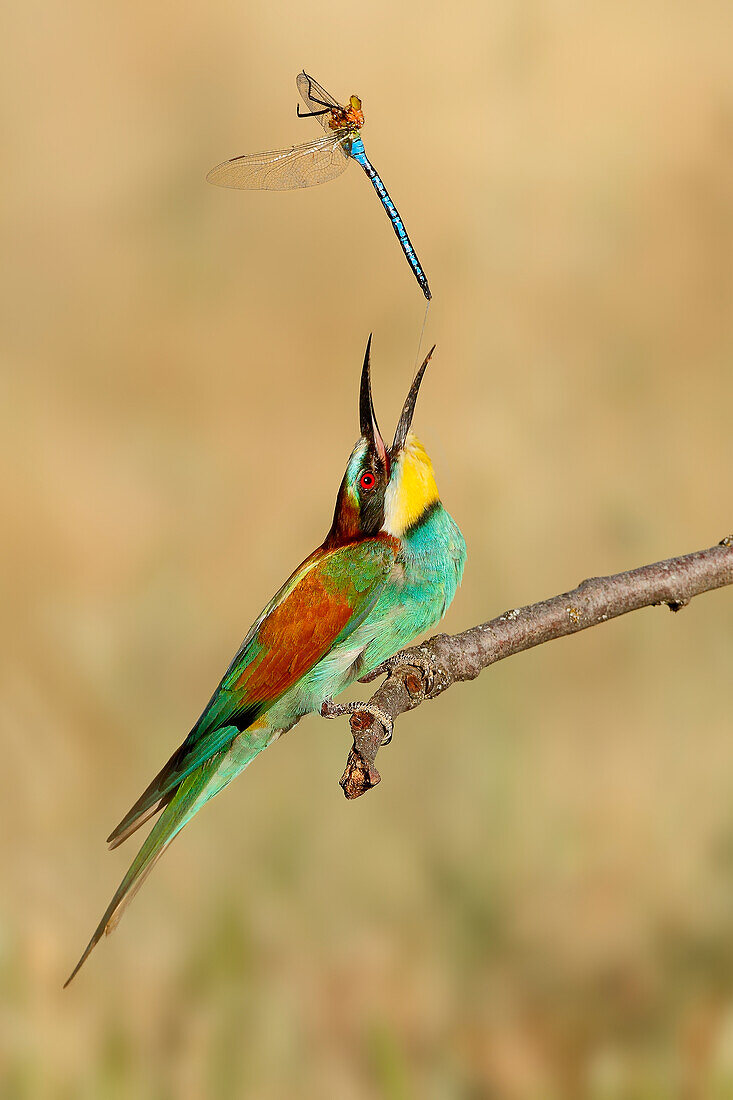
367, 481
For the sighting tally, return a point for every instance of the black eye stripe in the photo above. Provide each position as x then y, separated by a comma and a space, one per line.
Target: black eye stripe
371, 497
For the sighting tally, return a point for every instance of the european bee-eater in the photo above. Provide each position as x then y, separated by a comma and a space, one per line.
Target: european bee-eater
386, 571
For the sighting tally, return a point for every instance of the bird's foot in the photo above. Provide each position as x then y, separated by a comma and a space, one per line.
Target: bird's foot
411, 658
329, 709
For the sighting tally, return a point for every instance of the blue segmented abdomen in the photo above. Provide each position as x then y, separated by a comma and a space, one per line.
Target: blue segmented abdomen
358, 152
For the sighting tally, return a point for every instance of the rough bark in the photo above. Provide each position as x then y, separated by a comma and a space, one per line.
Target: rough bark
428, 670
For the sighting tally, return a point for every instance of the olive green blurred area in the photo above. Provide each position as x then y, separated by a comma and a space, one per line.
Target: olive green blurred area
537, 901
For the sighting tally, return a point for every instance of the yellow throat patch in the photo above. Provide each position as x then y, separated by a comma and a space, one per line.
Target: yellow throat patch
411, 488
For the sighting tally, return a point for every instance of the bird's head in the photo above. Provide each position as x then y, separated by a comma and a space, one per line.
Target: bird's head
384, 489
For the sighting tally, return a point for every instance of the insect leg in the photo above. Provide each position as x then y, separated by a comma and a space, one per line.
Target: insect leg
311, 114
320, 102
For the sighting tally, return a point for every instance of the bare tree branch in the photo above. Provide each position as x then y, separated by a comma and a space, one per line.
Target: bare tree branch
431, 668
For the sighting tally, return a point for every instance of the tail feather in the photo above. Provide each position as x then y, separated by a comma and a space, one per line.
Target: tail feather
181, 808
178, 807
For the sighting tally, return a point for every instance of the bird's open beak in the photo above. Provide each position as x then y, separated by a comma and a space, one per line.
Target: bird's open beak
367, 417
408, 409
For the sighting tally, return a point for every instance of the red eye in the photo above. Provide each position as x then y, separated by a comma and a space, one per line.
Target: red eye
367, 481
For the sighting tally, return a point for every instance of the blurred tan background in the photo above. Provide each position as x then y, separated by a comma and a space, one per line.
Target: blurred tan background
537, 902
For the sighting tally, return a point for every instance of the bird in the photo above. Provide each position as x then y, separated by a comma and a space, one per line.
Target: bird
387, 571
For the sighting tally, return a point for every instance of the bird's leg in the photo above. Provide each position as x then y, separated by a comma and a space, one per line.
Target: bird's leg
413, 658
329, 709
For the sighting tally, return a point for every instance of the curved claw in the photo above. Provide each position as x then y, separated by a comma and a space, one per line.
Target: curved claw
388, 729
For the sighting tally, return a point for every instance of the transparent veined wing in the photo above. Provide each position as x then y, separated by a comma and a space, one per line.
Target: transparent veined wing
315, 97
285, 169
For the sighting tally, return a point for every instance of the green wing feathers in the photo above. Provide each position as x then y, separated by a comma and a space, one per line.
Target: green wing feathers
326, 598
160, 791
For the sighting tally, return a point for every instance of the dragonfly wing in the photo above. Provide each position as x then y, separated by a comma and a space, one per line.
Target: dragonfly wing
285, 169
315, 98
